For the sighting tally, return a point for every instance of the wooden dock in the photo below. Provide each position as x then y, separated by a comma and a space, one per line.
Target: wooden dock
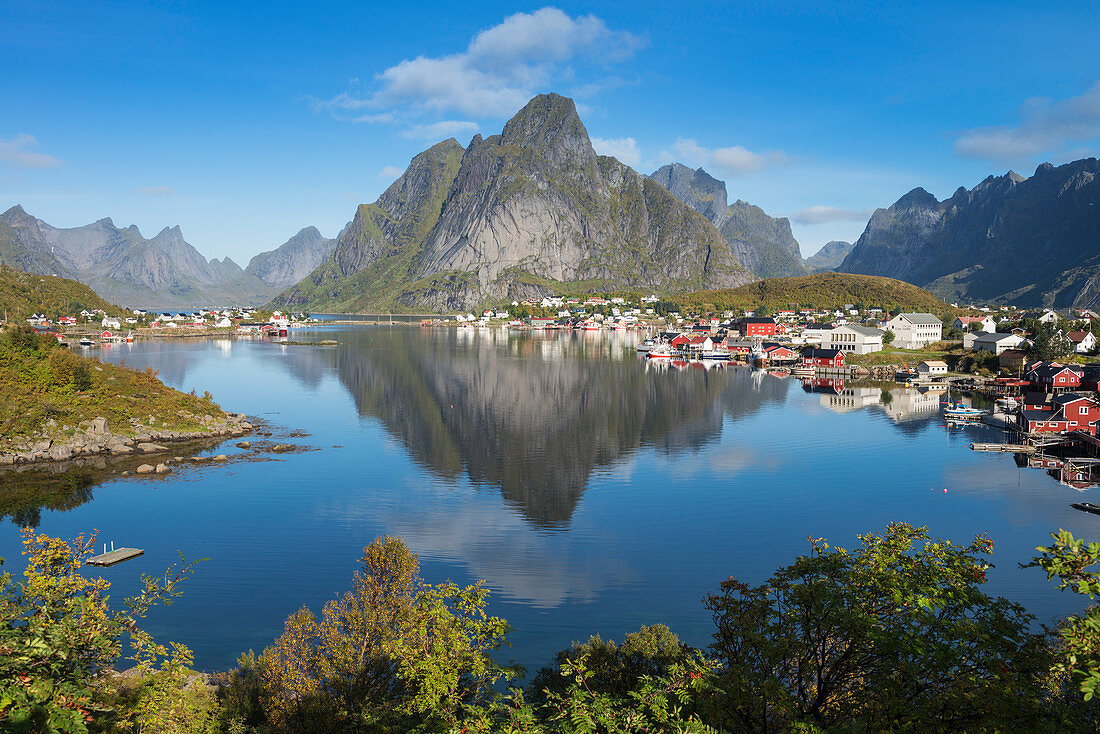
1004, 448
112, 557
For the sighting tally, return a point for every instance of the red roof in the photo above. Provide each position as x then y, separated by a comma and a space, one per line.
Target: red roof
1077, 336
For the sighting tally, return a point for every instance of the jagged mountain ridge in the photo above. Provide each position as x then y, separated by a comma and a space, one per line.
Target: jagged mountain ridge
293, 260
1028, 241
530, 211
763, 244
123, 266
830, 256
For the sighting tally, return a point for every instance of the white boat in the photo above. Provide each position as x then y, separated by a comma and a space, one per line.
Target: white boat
648, 344
715, 355
958, 411
86, 342
803, 370
1007, 404
662, 351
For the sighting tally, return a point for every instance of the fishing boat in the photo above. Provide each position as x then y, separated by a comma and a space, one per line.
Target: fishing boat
86, 342
1007, 404
648, 344
715, 355
662, 351
958, 411
1086, 507
803, 370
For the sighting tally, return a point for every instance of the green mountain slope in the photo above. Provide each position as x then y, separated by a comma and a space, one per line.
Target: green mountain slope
23, 294
823, 290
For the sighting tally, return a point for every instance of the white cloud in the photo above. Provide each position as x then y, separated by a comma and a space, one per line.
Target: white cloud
441, 130
16, 152
390, 172
625, 149
734, 161
157, 190
819, 214
1045, 128
501, 68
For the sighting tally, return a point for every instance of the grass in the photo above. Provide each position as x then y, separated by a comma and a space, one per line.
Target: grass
23, 294
44, 381
821, 291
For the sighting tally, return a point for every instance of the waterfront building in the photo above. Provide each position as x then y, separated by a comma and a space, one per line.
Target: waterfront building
915, 330
854, 339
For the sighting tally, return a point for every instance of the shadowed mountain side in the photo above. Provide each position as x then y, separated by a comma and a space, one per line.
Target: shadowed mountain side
533, 417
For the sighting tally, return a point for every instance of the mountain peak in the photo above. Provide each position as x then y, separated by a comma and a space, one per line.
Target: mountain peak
918, 198
549, 123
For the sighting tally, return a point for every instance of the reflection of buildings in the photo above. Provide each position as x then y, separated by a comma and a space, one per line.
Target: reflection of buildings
899, 404
908, 403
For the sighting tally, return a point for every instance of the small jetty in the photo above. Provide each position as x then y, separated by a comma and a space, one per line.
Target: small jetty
113, 556
1004, 448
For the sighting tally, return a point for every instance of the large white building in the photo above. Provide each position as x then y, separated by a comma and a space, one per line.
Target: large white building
915, 330
854, 339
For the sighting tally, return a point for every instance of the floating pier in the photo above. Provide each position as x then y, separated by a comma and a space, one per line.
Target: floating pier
113, 556
1004, 448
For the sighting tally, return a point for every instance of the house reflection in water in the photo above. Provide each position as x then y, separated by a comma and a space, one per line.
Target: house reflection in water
899, 404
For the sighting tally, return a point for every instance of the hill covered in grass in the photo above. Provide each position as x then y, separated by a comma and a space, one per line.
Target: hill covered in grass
22, 294
48, 388
823, 290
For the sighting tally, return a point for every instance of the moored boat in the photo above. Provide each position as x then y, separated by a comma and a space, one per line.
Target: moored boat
958, 411
1086, 507
661, 352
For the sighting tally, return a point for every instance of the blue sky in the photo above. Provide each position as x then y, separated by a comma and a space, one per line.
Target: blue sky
243, 123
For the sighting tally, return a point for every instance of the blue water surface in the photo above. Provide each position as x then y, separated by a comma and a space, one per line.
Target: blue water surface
592, 492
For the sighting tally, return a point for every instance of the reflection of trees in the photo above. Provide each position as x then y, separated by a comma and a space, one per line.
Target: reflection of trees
529, 415
24, 495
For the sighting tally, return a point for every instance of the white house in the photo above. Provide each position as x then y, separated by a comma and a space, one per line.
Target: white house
997, 343
932, 367
975, 323
112, 322
915, 330
1048, 317
1083, 341
853, 339
222, 322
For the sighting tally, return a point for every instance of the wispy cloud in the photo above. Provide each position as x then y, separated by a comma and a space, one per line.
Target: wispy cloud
1045, 128
733, 161
441, 130
19, 152
501, 68
390, 172
819, 214
157, 190
625, 149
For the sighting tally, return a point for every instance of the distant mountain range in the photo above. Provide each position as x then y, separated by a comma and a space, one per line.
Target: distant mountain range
531, 211
165, 271
829, 257
1026, 241
761, 243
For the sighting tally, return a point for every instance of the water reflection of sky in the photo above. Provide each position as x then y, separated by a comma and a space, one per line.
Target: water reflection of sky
591, 493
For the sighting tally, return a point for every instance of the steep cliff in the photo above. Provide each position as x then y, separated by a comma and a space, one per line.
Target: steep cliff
1029, 241
763, 244
293, 260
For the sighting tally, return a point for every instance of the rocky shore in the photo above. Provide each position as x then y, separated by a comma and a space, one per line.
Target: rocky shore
96, 438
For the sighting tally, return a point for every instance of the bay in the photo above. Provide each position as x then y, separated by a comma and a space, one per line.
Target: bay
593, 492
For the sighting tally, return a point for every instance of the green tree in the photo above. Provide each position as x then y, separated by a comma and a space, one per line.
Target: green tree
891, 636
888, 337
58, 635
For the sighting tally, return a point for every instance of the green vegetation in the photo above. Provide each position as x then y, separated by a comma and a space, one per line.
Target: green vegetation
895, 635
821, 291
44, 382
23, 294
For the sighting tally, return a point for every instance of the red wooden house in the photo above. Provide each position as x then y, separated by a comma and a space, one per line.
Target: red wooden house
1053, 377
823, 358
1066, 412
757, 326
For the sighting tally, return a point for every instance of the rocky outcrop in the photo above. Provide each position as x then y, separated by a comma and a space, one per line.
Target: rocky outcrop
516, 215
830, 256
95, 438
293, 260
123, 266
1027, 241
763, 244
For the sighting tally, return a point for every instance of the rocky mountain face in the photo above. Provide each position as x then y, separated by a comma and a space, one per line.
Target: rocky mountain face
830, 256
1027, 241
293, 260
126, 268
531, 211
761, 243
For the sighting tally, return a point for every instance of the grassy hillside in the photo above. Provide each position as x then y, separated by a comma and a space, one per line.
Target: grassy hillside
44, 381
22, 294
823, 290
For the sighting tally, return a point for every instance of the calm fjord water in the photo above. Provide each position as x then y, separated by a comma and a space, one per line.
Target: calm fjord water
592, 492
